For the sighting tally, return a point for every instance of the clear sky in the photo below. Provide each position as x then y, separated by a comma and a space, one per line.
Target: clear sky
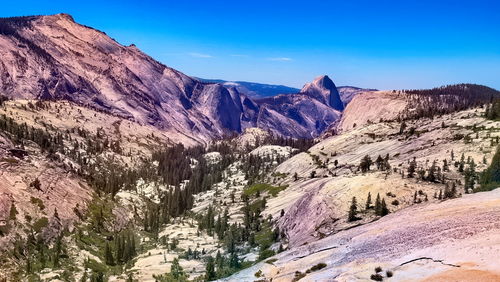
367, 43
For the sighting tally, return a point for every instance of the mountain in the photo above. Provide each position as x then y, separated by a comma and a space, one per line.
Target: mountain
347, 93
255, 90
55, 58
324, 90
306, 114
52, 57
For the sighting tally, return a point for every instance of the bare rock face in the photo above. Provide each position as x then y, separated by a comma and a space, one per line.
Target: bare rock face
52, 57
369, 107
323, 89
55, 58
306, 114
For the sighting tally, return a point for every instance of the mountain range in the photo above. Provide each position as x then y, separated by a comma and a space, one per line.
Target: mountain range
55, 58
115, 167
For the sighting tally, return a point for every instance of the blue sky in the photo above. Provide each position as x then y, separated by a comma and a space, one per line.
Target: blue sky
378, 44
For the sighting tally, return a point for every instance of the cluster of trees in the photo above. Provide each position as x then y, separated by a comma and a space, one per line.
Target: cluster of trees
493, 110
380, 208
176, 274
124, 248
255, 231
381, 163
449, 192
302, 144
490, 177
433, 174
37, 254
447, 99
256, 167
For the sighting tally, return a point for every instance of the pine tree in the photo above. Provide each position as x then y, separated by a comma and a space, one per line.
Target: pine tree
210, 269
445, 165
368, 201
365, 164
490, 178
380, 163
461, 164
108, 255
378, 204
13, 212
176, 270
386, 164
431, 176
411, 168
353, 210
383, 208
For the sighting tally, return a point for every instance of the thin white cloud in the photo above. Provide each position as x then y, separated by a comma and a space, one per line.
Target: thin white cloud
280, 59
239, 55
199, 55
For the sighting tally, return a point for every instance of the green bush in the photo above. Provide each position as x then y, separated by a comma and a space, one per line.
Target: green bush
40, 224
263, 187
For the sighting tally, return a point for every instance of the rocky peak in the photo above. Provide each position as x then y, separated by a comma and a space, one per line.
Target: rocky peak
324, 90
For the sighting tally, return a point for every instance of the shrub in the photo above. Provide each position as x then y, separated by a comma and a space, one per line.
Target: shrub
378, 269
318, 266
388, 273
258, 274
376, 277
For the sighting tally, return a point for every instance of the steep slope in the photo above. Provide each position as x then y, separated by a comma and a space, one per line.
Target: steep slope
456, 240
55, 58
306, 114
52, 57
324, 90
369, 107
425, 230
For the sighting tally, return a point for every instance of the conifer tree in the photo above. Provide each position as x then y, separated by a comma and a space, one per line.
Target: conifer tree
411, 168
353, 210
383, 208
108, 255
210, 269
377, 204
365, 164
368, 201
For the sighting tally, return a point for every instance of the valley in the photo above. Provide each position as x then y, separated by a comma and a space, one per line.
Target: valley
115, 167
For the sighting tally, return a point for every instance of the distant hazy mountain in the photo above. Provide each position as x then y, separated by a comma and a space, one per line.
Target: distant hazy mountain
347, 93
253, 89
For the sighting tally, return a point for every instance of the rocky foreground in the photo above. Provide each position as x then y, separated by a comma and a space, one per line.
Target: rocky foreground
454, 240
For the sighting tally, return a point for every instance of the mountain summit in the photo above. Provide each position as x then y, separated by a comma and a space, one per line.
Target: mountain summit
323, 89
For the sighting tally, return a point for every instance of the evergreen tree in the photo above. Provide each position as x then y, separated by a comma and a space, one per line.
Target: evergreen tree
368, 201
176, 270
210, 269
108, 255
380, 163
383, 208
490, 177
365, 164
411, 168
470, 177
378, 205
353, 210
